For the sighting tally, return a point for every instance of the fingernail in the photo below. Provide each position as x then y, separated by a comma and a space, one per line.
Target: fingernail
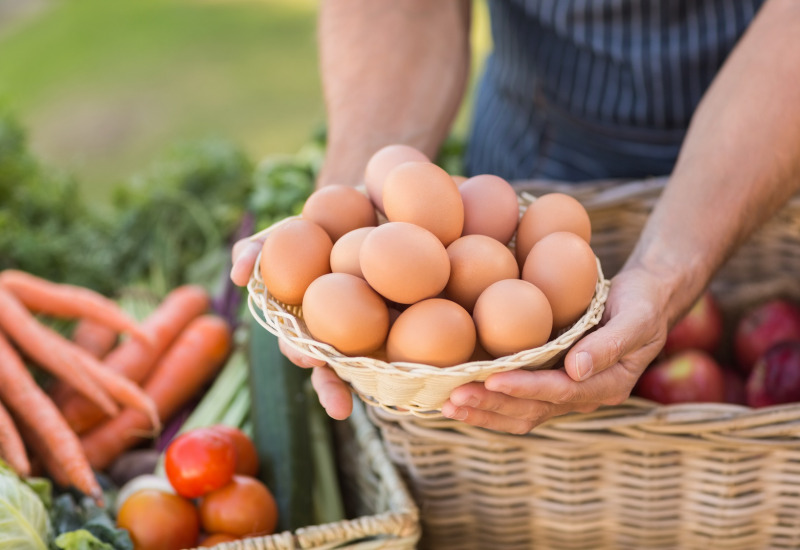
492, 385
583, 364
309, 363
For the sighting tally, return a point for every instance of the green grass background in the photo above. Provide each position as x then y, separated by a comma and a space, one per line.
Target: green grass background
103, 86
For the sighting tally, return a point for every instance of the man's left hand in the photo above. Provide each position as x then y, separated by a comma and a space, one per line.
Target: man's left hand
601, 369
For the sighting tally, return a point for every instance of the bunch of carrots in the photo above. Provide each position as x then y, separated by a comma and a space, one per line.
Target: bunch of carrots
111, 394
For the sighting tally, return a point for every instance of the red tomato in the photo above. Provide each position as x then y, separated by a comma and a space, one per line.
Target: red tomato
246, 454
200, 461
157, 520
244, 508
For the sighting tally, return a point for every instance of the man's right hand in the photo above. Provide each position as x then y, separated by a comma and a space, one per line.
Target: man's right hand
334, 395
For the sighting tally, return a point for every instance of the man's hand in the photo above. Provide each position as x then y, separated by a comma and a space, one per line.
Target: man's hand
334, 395
601, 369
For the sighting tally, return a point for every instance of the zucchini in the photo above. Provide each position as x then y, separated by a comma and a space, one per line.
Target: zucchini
328, 505
279, 413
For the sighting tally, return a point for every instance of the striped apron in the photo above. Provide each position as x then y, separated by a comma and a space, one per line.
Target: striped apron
590, 89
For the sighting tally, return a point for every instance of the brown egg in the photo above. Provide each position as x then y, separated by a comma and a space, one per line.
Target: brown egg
432, 332
404, 262
547, 214
293, 255
477, 261
344, 254
512, 316
491, 207
459, 179
383, 162
425, 195
564, 267
342, 310
339, 209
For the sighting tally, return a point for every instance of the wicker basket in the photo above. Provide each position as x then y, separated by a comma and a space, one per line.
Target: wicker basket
411, 388
387, 517
638, 475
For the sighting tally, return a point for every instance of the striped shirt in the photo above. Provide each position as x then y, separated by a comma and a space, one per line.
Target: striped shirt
588, 89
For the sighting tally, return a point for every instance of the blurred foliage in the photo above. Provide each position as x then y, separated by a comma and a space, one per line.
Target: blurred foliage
44, 226
171, 223
281, 184
175, 218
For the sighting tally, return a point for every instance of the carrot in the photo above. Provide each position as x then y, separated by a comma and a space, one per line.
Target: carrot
12, 449
38, 343
26, 400
135, 360
42, 457
188, 365
118, 387
69, 301
96, 338
123, 390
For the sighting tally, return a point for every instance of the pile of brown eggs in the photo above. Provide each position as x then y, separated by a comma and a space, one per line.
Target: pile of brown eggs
437, 282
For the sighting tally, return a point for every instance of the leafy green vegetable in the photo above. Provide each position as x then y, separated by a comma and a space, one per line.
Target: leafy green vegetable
24, 524
81, 540
167, 225
44, 226
72, 512
170, 224
179, 213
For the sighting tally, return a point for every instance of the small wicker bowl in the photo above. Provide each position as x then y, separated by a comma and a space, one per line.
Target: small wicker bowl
408, 388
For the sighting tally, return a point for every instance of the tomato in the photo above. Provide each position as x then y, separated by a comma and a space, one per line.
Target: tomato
219, 538
244, 507
157, 520
246, 454
200, 461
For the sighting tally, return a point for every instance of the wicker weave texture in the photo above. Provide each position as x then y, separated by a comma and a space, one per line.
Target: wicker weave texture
635, 476
410, 388
626, 477
388, 517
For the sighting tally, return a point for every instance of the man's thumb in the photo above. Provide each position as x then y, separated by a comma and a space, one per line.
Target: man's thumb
596, 352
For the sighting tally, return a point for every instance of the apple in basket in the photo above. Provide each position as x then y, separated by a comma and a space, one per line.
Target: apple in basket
700, 328
775, 378
762, 327
691, 376
734, 386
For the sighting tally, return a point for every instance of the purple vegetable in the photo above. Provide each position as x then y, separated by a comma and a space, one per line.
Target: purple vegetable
228, 300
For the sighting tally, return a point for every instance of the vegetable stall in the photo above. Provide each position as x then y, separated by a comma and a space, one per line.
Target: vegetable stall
139, 405
143, 406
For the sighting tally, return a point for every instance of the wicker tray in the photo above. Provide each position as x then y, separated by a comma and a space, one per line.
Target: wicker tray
411, 388
386, 515
638, 475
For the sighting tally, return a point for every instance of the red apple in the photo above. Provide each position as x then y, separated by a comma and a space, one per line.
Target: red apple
761, 328
700, 328
691, 376
734, 387
775, 378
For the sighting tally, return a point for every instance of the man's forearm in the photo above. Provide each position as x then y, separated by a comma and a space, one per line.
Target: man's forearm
392, 72
739, 163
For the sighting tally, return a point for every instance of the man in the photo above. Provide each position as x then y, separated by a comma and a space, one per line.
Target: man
707, 91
